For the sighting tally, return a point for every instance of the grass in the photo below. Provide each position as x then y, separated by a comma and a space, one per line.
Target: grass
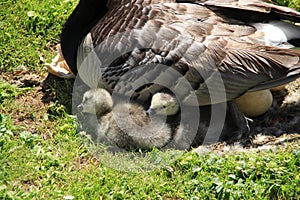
290, 3
42, 156
32, 28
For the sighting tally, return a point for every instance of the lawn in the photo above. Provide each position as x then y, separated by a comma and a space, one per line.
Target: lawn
43, 157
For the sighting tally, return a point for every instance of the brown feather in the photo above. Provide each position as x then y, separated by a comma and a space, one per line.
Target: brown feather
195, 42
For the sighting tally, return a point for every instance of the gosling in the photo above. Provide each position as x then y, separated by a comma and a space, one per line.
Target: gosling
128, 125
184, 126
189, 124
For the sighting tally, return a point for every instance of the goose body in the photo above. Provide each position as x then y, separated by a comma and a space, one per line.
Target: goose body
217, 47
206, 52
125, 124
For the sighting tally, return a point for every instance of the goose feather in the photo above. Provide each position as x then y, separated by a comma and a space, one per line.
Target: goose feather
124, 124
194, 47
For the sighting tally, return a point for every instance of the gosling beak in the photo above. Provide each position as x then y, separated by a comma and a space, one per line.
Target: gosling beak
150, 111
80, 107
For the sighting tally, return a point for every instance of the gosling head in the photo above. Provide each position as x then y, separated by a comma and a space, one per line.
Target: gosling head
163, 104
96, 101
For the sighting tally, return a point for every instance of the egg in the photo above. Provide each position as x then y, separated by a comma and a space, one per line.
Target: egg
278, 88
253, 104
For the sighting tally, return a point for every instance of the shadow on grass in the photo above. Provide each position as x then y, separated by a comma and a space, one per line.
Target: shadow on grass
58, 90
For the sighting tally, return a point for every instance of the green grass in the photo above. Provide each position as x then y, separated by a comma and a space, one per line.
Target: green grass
32, 27
31, 167
42, 156
290, 3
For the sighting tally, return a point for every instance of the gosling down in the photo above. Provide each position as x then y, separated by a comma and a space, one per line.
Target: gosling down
207, 52
128, 125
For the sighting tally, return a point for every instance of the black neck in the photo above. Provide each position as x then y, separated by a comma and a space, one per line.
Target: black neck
84, 17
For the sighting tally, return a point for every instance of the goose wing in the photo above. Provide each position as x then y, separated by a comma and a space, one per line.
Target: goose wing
144, 47
245, 7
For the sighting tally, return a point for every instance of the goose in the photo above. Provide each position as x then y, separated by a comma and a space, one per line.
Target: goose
185, 128
126, 125
59, 66
115, 126
187, 131
163, 104
207, 52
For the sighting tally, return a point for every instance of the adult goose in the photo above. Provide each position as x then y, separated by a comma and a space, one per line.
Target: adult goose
206, 52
